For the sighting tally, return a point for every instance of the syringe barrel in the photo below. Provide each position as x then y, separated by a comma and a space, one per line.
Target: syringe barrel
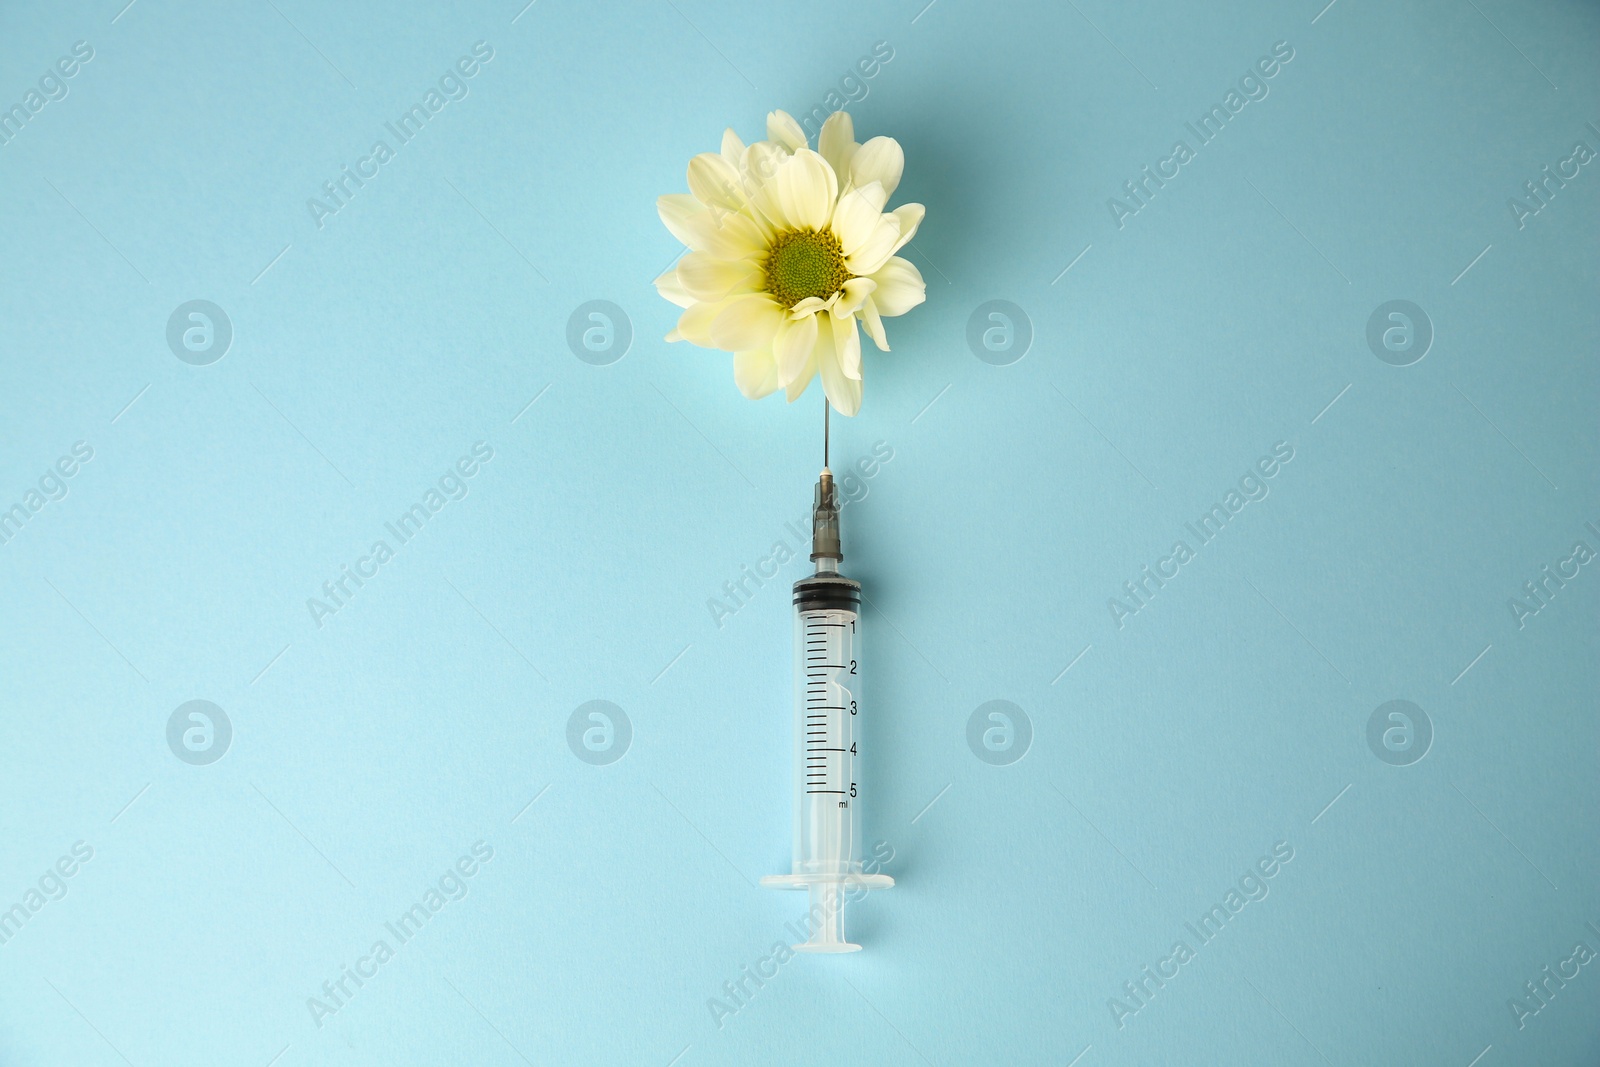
828, 708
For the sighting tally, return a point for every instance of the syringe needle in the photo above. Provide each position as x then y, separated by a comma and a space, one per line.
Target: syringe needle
825, 431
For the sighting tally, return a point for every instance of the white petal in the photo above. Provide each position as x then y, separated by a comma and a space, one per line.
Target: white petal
844, 392
809, 306
853, 295
762, 161
879, 160
755, 372
837, 142
794, 344
728, 234
874, 191
847, 340
714, 182
856, 216
746, 322
910, 216
732, 147
724, 233
706, 277
678, 213
782, 128
806, 190
803, 379
872, 322
667, 285
876, 248
694, 325
900, 287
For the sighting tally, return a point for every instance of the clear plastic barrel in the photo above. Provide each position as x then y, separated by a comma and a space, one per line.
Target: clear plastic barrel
827, 838
826, 861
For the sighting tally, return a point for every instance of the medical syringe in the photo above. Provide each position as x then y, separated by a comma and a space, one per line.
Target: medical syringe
828, 707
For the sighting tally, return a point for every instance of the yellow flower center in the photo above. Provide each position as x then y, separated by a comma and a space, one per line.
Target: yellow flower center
803, 263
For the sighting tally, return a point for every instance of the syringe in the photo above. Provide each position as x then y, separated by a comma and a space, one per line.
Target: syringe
828, 706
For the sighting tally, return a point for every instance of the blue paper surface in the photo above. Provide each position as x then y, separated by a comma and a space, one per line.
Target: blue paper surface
1340, 348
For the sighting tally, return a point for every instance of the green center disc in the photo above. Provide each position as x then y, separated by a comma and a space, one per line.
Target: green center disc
804, 263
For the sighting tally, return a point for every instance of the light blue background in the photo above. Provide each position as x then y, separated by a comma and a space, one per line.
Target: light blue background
1227, 715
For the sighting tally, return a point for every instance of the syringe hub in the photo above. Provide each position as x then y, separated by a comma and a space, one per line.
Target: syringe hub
825, 543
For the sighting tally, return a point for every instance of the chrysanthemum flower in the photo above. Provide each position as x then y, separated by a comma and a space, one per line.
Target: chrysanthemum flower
788, 249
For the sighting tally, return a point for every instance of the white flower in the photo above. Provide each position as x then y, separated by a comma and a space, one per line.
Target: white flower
788, 248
